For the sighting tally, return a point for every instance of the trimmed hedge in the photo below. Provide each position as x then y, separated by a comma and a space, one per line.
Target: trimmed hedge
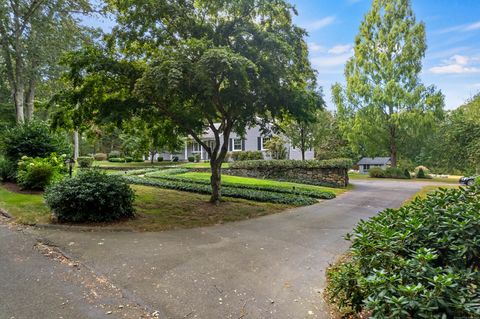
419, 261
276, 189
246, 155
289, 164
116, 160
236, 192
85, 161
100, 156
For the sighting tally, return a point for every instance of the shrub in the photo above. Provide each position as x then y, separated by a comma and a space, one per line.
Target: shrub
160, 159
395, 172
288, 164
100, 157
114, 154
8, 170
477, 181
246, 155
276, 148
37, 173
236, 192
406, 172
116, 160
376, 172
32, 139
191, 159
419, 261
426, 171
175, 159
138, 160
85, 161
197, 158
128, 159
421, 173
91, 196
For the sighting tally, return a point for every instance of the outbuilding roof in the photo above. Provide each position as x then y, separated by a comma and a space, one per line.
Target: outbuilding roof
374, 161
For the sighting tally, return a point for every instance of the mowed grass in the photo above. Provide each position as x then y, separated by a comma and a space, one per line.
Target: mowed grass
134, 164
157, 209
26, 208
451, 179
229, 179
202, 165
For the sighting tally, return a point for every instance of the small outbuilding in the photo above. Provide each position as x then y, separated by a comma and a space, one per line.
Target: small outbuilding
368, 162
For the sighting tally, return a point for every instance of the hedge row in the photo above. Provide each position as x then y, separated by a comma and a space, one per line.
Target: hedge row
276, 189
236, 192
288, 164
419, 261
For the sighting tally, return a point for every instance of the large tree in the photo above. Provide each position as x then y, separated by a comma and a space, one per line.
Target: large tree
218, 65
384, 106
33, 35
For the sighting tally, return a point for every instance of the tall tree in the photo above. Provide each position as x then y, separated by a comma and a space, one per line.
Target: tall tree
33, 35
218, 65
384, 105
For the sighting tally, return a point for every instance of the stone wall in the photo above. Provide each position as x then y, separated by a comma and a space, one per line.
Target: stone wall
335, 177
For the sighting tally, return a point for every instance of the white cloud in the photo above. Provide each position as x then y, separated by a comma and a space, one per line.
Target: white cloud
462, 27
329, 61
320, 24
315, 47
340, 49
473, 26
457, 64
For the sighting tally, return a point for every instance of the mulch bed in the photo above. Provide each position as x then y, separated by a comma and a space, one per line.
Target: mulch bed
16, 189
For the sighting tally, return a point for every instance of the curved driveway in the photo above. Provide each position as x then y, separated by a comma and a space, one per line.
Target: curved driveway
269, 267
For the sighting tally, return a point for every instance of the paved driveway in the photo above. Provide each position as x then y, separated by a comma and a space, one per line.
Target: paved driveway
270, 267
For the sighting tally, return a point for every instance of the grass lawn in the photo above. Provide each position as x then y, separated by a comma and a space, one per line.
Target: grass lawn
202, 165
26, 208
261, 182
157, 209
451, 179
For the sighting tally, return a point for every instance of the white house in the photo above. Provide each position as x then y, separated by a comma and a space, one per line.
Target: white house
368, 162
253, 140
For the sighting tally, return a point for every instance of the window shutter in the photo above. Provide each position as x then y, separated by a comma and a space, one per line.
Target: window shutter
230, 144
259, 143
243, 144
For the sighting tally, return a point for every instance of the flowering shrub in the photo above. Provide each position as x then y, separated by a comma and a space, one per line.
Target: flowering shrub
37, 173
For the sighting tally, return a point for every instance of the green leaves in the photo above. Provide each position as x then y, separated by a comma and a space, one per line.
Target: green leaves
419, 261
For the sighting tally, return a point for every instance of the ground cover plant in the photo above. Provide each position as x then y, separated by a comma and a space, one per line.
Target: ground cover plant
249, 183
235, 192
419, 261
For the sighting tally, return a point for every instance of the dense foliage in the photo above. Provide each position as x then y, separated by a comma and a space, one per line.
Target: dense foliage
32, 139
8, 170
37, 173
85, 161
246, 155
236, 192
419, 261
287, 164
91, 196
389, 172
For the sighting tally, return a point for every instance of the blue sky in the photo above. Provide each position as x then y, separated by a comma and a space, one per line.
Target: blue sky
452, 60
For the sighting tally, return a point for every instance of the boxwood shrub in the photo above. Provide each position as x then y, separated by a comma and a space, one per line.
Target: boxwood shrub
116, 160
419, 261
85, 161
236, 192
90, 196
287, 164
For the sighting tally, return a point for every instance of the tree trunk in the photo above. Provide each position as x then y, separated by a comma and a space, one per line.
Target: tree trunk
29, 103
302, 143
152, 156
393, 154
215, 180
19, 101
76, 145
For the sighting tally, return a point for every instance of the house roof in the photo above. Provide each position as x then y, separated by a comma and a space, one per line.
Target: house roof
374, 161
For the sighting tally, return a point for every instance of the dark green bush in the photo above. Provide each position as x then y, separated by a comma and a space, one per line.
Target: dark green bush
160, 159
395, 172
246, 155
8, 170
138, 160
421, 173
85, 161
236, 192
32, 139
175, 159
191, 159
128, 159
419, 261
116, 160
406, 172
197, 158
100, 157
286, 164
91, 196
376, 172
114, 154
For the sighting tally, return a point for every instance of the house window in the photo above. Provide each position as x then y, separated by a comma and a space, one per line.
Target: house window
367, 166
237, 144
263, 140
196, 147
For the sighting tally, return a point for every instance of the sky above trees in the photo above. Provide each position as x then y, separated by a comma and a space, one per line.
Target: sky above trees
452, 60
